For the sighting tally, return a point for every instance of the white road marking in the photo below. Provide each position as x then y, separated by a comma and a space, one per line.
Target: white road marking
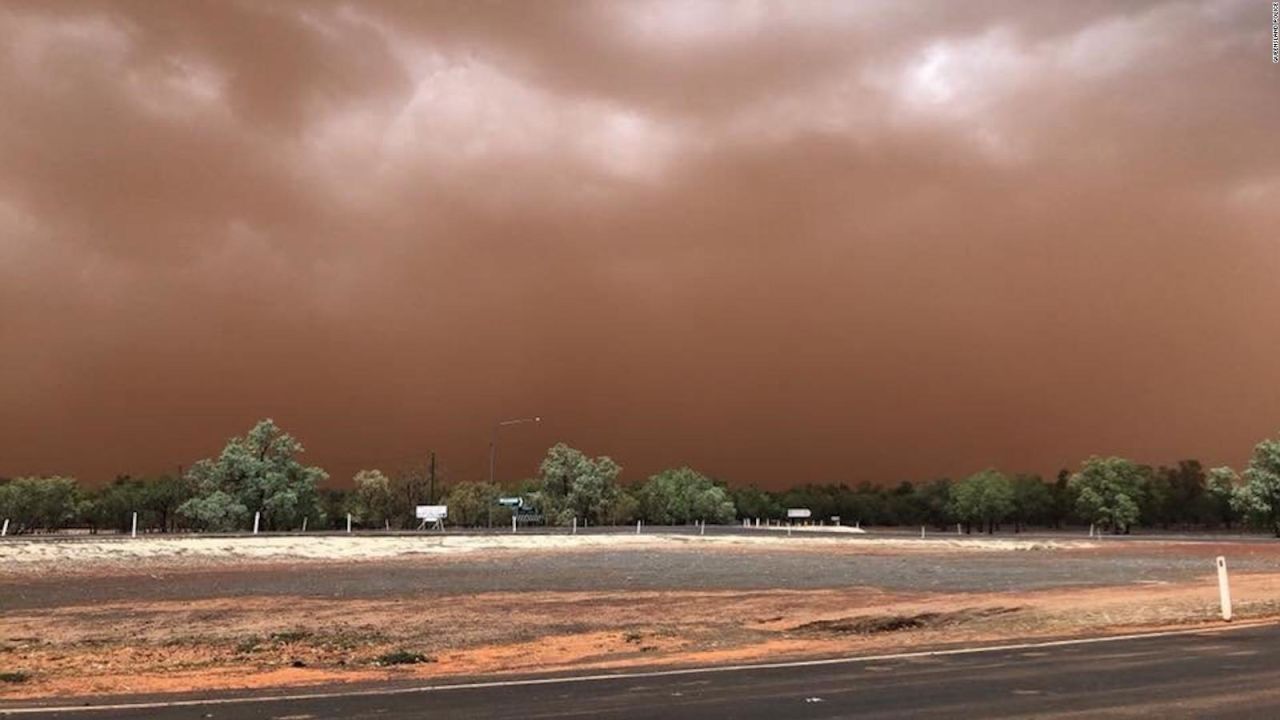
677, 672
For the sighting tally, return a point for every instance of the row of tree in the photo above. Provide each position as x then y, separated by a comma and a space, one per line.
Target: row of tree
260, 473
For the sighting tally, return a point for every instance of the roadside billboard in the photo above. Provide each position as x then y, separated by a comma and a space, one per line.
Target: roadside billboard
431, 513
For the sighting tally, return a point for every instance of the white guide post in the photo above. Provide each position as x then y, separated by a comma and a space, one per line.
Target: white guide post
921, 532
1224, 590
134, 531
348, 523
513, 523
702, 529
4, 530
637, 527
958, 529
304, 524
257, 518
575, 524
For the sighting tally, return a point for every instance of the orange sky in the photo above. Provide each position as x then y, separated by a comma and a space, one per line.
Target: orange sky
779, 242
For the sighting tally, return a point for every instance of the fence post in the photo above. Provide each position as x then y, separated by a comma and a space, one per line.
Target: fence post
1224, 590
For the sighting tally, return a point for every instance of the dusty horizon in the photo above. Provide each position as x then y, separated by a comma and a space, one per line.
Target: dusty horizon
777, 242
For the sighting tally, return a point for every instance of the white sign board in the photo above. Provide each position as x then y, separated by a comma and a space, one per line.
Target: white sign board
798, 512
510, 501
431, 513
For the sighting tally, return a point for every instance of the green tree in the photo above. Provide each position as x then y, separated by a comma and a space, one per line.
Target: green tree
1107, 492
1259, 497
113, 505
472, 504
39, 503
371, 500
683, 495
934, 502
1221, 491
575, 485
752, 503
1032, 502
161, 498
625, 508
1063, 505
984, 497
410, 488
333, 508
1189, 503
259, 472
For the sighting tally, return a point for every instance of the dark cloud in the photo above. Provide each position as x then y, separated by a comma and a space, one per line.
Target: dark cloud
781, 242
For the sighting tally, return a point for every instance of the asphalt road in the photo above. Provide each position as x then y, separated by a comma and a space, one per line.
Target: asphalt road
1228, 674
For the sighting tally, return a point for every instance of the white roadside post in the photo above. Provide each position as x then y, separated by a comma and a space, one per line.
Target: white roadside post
958, 529
134, 531
304, 524
921, 532
1090, 529
5, 529
1224, 590
257, 517
638, 527
575, 525
348, 523
513, 523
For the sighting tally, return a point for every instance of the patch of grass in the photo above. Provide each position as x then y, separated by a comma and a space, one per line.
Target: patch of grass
351, 639
403, 657
14, 676
248, 644
290, 636
632, 637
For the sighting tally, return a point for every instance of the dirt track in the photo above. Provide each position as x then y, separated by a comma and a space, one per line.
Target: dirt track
167, 623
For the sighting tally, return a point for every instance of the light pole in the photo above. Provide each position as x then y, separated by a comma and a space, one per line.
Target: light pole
493, 442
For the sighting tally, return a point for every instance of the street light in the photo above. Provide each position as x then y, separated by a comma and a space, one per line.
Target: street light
493, 443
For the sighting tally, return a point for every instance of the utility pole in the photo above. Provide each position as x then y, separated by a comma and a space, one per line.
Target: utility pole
431, 474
